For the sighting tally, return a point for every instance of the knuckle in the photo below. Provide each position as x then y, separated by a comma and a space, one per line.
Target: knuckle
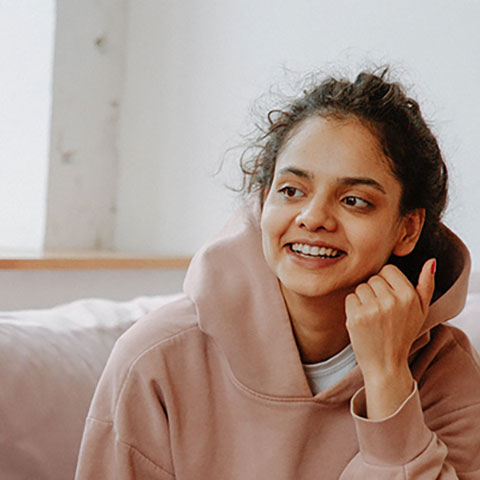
373, 310
388, 303
407, 296
355, 317
365, 315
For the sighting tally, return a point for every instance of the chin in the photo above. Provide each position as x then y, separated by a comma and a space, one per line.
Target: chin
307, 289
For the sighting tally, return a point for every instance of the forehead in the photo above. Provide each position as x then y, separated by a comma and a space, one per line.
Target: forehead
322, 144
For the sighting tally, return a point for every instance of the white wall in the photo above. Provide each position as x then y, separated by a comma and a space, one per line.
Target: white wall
172, 132
26, 58
194, 68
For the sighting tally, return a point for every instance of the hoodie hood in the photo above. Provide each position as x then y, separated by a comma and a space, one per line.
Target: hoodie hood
240, 306
455, 273
450, 300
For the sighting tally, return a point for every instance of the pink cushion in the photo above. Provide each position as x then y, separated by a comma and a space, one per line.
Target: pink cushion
469, 318
50, 362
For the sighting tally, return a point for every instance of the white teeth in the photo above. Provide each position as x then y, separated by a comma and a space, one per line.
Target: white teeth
315, 251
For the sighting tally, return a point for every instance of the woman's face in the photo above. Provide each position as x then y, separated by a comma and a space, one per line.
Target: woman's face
331, 217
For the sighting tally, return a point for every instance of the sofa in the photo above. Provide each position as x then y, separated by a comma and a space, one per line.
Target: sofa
51, 360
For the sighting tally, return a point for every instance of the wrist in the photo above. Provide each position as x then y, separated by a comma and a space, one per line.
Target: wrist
386, 378
386, 392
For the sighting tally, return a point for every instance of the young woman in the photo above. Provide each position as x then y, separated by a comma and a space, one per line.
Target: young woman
310, 342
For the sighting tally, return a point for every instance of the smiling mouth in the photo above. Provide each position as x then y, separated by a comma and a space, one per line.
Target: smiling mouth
311, 251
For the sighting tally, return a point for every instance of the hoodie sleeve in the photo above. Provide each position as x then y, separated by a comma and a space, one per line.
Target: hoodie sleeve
126, 434
105, 456
401, 446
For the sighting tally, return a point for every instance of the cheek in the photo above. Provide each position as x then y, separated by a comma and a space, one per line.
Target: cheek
376, 241
272, 226
270, 221
267, 243
267, 228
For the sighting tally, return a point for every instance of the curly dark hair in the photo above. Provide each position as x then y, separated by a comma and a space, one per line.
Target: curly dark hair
406, 139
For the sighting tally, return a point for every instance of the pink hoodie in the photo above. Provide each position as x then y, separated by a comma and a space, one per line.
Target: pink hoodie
212, 387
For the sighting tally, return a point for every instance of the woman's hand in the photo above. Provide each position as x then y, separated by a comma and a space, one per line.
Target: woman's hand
384, 316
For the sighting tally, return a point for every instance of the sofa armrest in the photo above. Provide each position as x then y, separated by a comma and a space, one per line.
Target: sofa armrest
50, 362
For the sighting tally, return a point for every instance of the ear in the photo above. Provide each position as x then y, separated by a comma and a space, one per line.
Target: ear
410, 230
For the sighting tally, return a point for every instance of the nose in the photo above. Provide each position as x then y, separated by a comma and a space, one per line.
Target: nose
317, 214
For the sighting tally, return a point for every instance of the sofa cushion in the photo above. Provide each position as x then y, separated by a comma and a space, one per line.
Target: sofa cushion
469, 319
50, 362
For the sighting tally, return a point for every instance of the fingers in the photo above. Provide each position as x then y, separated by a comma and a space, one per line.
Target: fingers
394, 277
365, 293
352, 302
380, 286
391, 282
426, 283
388, 286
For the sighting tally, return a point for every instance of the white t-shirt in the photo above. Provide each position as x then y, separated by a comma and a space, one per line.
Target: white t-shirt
324, 374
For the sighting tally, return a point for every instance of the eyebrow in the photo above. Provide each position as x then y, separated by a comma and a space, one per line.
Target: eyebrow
348, 181
352, 181
296, 171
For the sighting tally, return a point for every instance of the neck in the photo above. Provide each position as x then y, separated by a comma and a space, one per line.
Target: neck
318, 325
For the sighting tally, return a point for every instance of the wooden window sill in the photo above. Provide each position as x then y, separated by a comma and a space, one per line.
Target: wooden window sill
87, 260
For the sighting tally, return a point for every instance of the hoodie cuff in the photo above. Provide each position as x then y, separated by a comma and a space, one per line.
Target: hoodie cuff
394, 440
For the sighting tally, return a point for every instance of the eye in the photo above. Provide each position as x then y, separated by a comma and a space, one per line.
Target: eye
356, 202
290, 192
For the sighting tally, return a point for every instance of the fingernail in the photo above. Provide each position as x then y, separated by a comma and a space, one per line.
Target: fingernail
434, 266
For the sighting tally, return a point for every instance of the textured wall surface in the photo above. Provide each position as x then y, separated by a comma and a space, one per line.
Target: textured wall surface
88, 81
